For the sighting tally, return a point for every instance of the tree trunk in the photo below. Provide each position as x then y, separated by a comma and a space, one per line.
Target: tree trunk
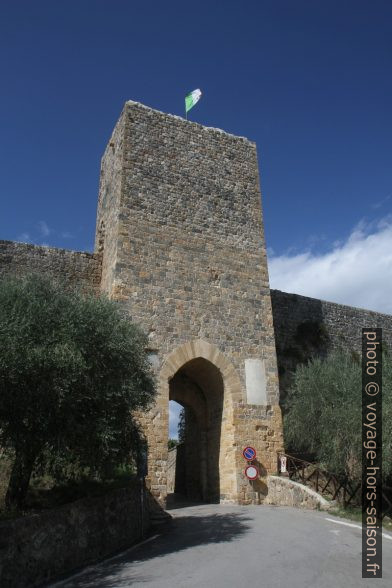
19, 479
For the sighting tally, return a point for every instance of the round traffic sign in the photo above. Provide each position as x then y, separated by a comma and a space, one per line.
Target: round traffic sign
249, 453
251, 472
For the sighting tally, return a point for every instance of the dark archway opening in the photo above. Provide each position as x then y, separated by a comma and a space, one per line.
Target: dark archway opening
198, 387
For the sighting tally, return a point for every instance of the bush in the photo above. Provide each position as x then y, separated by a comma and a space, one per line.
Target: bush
324, 413
72, 369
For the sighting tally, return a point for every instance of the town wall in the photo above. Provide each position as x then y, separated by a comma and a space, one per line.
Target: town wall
180, 246
307, 327
73, 267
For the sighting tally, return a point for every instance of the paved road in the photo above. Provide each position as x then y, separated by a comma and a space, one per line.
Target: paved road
232, 546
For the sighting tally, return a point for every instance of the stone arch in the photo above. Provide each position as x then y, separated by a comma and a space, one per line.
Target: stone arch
199, 348
200, 351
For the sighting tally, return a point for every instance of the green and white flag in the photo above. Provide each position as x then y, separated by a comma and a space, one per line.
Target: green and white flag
191, 99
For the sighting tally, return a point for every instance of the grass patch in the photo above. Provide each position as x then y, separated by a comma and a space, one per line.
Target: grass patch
355, 514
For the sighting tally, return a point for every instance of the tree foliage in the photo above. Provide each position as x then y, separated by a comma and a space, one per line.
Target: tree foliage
72, 369
171, 443
324, 413
181, 425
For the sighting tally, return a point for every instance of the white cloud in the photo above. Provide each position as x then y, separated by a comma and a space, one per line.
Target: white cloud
24, 238
357, 271
174, 413
67, 235
43, 228
381, 203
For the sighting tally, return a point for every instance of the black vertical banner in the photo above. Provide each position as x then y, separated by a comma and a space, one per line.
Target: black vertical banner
371, 453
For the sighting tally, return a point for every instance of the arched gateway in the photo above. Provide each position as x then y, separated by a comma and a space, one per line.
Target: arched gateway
180, 232
200, 378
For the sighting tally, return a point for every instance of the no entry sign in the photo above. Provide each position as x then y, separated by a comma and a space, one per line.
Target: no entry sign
249, 453
251, 472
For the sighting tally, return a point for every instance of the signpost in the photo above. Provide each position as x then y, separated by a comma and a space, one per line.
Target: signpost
251, 471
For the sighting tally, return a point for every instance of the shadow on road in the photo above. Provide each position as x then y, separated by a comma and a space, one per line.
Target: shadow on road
175, 501
184, 532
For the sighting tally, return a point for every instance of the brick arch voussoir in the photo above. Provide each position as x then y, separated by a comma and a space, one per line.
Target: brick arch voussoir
199, 348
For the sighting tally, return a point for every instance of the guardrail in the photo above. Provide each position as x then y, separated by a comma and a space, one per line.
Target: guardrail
334, 486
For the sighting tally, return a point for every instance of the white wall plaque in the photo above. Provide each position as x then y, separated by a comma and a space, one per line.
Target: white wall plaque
256, 382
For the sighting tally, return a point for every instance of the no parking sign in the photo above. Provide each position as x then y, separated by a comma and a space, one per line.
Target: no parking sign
249, 453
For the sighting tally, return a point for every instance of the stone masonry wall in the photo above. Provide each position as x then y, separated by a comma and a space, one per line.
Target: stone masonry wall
180, 244
191, 254
107, 227
341, 326
171, 470
191, 260
39, 547
285, 492
74, 267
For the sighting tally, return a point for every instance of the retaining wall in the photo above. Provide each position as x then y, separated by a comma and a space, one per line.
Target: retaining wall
40, 547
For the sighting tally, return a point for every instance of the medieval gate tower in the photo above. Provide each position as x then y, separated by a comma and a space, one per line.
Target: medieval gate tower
180, 231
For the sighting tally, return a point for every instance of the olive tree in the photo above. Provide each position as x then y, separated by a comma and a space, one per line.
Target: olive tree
72, 371
324, 413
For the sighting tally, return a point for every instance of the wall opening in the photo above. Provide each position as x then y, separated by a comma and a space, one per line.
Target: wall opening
198, 387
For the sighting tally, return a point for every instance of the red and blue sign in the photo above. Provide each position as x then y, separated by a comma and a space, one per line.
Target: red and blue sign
249, 453
251, 472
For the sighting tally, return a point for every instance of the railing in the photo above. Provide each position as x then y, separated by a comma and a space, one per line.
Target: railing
387, 501
334, 486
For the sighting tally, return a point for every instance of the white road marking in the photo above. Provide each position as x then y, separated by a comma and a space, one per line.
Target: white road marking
343, 523
355, 527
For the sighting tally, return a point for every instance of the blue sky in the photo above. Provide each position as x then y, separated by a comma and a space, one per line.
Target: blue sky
310, 82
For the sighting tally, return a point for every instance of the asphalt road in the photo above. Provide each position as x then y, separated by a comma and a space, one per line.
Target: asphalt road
232, 546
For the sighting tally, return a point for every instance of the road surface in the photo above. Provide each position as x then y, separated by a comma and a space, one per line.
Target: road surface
224, 546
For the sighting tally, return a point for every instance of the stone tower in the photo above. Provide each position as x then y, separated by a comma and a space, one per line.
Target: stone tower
180, 231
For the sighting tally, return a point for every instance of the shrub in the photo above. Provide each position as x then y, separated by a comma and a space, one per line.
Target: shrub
324, 413
72, 370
